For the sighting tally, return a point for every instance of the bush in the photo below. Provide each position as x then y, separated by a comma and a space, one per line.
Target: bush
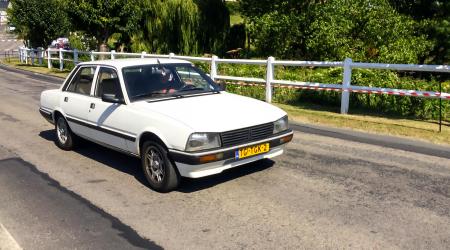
415, 107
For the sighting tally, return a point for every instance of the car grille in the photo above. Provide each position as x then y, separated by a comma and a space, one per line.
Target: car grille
239, 136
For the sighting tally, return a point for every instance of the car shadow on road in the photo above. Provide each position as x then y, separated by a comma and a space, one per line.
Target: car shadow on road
189, 185
132, 166
122, 162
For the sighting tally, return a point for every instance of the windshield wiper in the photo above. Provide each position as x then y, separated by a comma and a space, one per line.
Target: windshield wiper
148, 95
190, 89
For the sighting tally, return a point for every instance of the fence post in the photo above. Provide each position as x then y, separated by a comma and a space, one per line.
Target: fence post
75, 56
92, 55
49, 58
26, 55
40, 53
61, 59
113, 54
346, 82
171, 55
269, 78
143, 54
213, 73
32, 54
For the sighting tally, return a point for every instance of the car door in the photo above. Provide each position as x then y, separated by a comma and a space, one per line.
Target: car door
76, 99
110, 118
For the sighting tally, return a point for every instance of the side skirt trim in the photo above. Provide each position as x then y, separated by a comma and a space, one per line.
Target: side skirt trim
101, 129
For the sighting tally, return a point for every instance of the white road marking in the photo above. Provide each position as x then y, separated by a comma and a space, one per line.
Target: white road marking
7, 242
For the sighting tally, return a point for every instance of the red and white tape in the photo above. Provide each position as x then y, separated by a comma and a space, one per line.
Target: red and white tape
363, 91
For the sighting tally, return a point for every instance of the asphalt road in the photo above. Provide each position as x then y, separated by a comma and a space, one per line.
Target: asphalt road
327, 191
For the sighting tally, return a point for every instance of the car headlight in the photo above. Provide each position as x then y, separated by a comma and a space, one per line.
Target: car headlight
280, 125
201, 141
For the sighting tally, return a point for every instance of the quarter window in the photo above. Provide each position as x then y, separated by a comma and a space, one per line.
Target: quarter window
82, 82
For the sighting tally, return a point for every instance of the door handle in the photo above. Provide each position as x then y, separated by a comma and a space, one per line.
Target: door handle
92, 105
66, 99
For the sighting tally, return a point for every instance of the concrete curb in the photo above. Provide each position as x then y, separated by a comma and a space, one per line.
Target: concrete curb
388, 141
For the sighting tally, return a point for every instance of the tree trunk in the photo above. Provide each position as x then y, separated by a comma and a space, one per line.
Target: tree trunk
103, 48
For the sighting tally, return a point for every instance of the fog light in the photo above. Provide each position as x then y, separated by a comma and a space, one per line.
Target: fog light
286, 139
210, 158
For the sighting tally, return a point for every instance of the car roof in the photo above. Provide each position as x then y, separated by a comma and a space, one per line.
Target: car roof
121, 63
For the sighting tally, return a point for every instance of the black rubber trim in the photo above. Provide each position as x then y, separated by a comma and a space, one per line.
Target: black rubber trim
104, 130
228, 155
47, 115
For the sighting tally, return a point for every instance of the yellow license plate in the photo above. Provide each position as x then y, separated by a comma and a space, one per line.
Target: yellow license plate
252, 150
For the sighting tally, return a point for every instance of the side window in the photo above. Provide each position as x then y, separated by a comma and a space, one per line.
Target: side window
82, 81
108, 83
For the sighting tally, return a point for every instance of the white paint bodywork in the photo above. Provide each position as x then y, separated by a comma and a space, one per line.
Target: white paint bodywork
173, 121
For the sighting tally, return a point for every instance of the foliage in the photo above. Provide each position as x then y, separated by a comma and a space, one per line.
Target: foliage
168, 27
354, 29
183, 27
237, 36
434, 17
81, 41
101, 19
334, 30
415, 107
39, 22
214, 20
255, 8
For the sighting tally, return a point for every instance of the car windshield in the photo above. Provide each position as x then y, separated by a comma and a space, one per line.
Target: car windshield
166, 80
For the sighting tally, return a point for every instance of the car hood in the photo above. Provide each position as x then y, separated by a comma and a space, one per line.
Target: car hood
214, 112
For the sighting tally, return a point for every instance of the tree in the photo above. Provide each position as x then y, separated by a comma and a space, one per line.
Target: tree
214, 20
168, 26
365, 31
182, 26
434, 16
102, 19
39, 22
334, 29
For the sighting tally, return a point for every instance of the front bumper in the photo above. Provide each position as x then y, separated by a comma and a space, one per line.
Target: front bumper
199, 164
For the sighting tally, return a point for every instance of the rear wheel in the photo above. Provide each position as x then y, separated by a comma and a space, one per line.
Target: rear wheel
65, 139
159, 170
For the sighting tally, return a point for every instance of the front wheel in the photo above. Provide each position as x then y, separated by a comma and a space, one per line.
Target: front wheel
159, 170
65, 139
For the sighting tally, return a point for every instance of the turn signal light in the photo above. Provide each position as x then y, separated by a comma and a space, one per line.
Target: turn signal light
211, 158
286, 139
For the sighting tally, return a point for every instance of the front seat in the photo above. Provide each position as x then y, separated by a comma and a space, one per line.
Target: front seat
110, 86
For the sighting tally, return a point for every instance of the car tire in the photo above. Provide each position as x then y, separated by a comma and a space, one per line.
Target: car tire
65, 138
159, 169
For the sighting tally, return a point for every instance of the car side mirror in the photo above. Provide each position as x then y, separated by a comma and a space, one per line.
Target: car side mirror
111, 98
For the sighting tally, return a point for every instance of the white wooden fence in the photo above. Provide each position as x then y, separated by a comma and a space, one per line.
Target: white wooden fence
32, 55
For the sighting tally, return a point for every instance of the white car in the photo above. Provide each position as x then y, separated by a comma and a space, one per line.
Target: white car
167, 112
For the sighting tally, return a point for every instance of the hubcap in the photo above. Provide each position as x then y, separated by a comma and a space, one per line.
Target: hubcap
155, 165
61, 130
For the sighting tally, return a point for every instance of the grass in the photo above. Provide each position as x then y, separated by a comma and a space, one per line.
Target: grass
396, 126
41, 69
360, 120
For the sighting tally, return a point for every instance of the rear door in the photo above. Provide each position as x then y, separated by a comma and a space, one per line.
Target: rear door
75, 100
110, 118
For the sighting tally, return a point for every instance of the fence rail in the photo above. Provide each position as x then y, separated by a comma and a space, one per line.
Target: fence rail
31, 55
